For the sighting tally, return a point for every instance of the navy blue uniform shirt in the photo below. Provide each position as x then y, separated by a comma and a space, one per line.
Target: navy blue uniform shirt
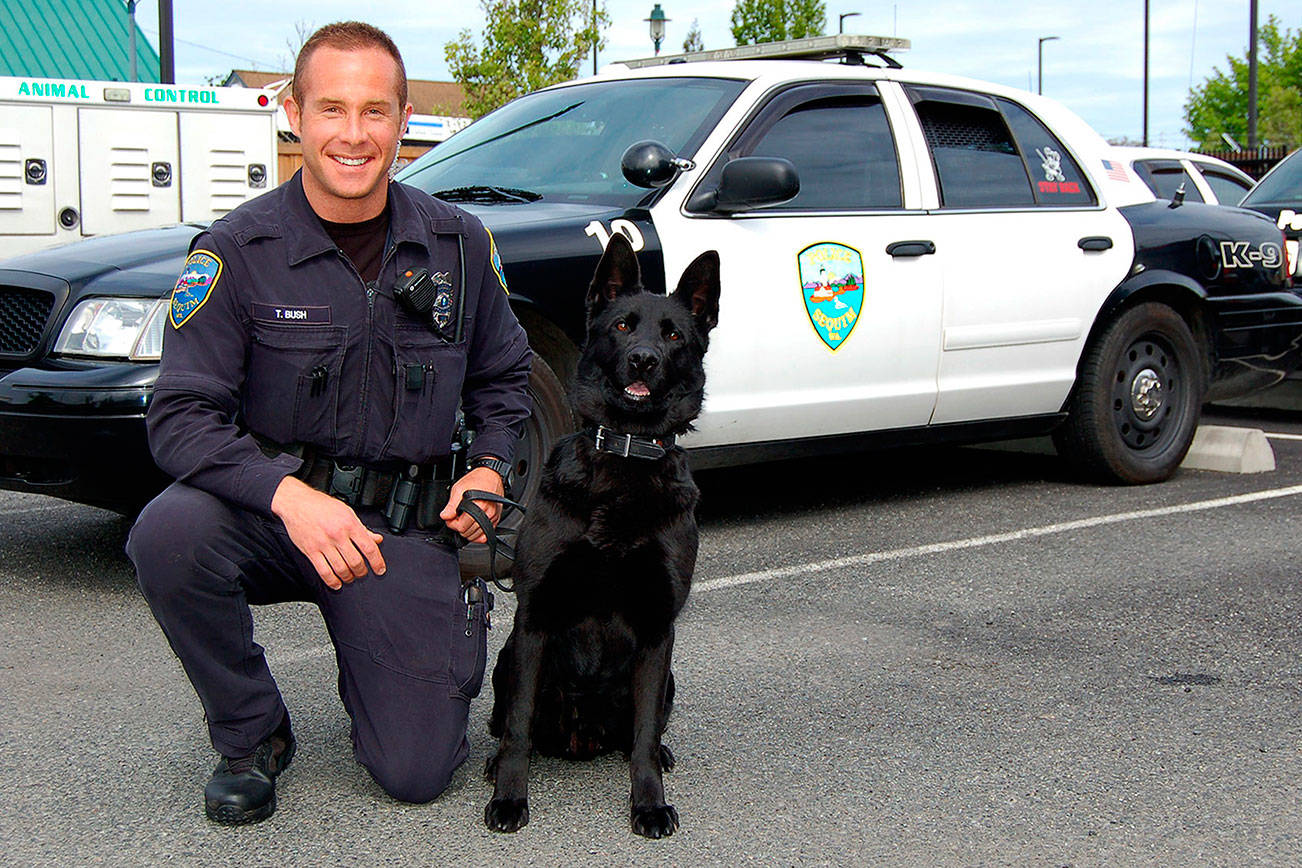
272, 331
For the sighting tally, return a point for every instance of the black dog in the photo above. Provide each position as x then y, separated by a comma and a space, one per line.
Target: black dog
605, 557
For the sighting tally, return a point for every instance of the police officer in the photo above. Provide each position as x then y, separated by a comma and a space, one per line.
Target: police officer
321, 338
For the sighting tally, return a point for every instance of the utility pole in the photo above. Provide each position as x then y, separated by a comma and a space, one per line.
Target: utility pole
1146, 73
1252, 75
594, 37
166, 57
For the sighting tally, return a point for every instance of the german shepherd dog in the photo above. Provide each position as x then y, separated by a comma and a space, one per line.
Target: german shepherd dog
605, 556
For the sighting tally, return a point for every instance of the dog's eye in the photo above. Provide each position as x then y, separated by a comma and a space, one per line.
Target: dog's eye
621, 325
673, 335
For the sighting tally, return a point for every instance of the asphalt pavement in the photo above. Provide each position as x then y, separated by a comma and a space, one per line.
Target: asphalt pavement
919, 657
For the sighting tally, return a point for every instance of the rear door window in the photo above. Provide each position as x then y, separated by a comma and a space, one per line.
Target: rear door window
976, 161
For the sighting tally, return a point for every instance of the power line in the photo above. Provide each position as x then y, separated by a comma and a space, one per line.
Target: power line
210, 48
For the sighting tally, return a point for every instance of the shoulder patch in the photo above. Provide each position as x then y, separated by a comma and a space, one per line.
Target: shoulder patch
496, 260
200, 274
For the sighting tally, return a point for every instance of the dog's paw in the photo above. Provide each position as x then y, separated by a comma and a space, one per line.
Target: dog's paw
667, 761
508, 815
657, 821
490, 768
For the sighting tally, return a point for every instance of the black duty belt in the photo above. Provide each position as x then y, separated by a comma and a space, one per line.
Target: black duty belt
408, 495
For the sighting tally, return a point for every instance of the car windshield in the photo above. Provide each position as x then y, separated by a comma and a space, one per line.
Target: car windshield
1283, 186
565, 145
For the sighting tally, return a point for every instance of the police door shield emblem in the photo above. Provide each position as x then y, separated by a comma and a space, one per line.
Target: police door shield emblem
831, 283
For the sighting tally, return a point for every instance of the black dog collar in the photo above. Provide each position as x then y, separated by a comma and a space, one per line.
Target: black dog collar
628, 446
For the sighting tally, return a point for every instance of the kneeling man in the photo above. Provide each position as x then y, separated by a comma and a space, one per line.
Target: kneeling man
306, 407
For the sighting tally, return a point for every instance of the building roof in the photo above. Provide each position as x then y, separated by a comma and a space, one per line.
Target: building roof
85, 39
427, 97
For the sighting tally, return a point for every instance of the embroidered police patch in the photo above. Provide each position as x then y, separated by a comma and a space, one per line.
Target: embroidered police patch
496, 260
195, 285
831, 283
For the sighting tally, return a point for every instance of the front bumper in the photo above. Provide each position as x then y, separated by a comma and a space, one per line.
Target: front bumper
79, 435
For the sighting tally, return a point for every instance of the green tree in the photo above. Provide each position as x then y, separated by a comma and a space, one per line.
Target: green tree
527, 44
1220, 103
775, 20
694, 42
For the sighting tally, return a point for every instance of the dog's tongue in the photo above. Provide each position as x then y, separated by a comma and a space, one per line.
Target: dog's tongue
638, 389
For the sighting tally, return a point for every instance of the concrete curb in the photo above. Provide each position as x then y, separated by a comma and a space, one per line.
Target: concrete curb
1223, 448
1230, 450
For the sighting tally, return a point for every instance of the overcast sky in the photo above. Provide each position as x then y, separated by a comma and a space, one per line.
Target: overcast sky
1095, 67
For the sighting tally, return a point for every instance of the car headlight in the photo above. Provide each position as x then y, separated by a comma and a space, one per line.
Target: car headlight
121, 328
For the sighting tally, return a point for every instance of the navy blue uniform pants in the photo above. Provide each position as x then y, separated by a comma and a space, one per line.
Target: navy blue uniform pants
407, 670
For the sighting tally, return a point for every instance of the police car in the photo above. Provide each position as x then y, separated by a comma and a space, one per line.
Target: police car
1202, 178
906, 257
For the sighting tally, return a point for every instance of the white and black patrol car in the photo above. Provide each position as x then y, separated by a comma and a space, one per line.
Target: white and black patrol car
905, 258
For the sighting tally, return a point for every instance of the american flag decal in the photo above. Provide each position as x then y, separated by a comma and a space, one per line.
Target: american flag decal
1115, 171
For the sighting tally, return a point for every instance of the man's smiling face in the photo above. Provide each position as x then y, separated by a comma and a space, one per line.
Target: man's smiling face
350, 123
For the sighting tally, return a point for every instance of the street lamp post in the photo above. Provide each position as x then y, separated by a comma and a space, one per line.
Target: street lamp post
1039, 63
840, 28
657, 22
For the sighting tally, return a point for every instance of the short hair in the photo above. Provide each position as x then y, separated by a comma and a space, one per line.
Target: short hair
348, 36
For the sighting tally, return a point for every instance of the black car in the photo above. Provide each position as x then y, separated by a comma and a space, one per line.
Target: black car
1278, 195
905, 258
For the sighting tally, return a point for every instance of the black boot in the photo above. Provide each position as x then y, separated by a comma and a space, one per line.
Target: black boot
243, 790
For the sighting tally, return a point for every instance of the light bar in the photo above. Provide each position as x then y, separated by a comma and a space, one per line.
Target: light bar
813, 48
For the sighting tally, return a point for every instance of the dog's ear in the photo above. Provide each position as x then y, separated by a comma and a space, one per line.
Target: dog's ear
617, 273
698, 290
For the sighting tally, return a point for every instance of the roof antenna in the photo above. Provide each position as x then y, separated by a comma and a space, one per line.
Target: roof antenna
1178, 199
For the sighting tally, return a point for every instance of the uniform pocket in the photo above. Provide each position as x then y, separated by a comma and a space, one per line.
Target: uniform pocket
412, 613
428, 374
292, 386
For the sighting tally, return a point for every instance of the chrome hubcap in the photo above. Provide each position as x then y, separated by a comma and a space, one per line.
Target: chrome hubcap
1146, 394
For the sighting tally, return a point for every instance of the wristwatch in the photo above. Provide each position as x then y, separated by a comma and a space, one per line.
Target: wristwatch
497, 465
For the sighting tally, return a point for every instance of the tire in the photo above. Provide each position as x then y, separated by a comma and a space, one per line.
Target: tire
551, 418
1135, 406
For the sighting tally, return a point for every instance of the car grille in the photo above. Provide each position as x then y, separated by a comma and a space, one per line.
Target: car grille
23, 314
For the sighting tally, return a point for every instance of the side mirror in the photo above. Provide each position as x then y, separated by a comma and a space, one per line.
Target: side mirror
748, 183
650, 164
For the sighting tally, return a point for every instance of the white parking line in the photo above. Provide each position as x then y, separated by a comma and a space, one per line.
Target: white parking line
976, 542
920, 551
1276, 436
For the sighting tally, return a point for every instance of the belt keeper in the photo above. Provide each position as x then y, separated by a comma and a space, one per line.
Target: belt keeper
402, 499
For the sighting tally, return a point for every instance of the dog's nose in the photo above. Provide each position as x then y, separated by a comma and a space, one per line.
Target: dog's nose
642, 361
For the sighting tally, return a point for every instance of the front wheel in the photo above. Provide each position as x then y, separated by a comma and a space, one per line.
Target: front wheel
1135, 406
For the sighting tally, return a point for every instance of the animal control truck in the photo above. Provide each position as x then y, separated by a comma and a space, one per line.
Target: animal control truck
82, 158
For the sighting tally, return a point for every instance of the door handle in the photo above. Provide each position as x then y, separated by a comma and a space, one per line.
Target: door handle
911, 248
1095, 242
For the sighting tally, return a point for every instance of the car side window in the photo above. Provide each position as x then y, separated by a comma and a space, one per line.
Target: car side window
1228, 189
976, 162
843, 151
1164, 178
1057, 178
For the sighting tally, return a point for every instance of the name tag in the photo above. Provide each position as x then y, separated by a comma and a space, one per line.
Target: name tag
293, 314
